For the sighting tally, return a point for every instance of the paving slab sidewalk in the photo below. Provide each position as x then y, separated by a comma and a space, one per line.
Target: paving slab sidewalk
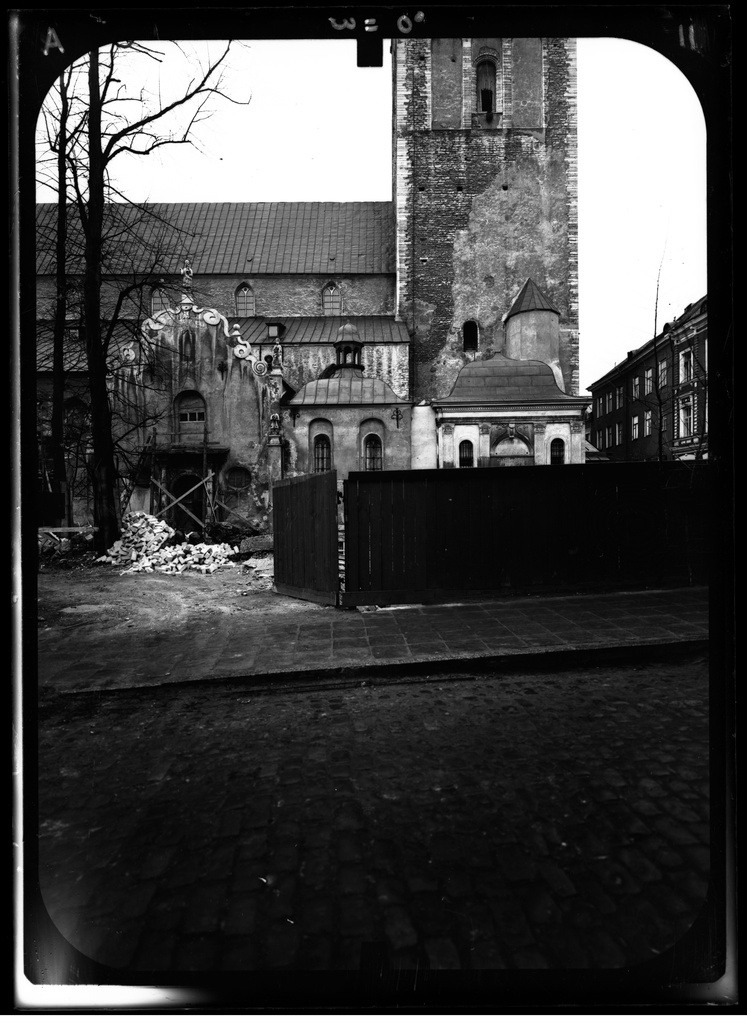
330, 642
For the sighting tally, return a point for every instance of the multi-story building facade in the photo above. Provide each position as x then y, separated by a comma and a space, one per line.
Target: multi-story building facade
653, 406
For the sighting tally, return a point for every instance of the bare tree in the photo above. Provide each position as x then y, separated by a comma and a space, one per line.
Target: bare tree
110, 122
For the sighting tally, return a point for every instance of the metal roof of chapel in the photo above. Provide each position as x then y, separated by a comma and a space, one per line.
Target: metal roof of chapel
244, 239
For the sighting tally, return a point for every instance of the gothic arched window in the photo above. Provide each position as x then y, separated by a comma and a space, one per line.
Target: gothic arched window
159, 301
331, 300
245, 300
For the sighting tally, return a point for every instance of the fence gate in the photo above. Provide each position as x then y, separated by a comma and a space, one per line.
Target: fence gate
305, 537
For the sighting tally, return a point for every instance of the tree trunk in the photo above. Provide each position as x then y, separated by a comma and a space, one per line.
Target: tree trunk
103, 472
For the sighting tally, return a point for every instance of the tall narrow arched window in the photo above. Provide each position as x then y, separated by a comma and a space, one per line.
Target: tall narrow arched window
486, 87
322, 453
557, 452
331, 300
187, 346
245, 300
372, 452
470, 336
466, 455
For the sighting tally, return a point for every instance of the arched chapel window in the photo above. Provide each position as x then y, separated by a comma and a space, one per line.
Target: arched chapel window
466, 455
557, 452
322, 453
372, 453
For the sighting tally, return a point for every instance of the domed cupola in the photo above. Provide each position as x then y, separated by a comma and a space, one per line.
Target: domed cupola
348, 348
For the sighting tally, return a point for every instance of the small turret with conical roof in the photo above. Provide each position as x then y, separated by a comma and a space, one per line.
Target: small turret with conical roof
532, 327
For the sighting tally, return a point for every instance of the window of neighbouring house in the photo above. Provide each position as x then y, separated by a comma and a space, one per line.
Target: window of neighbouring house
557, 452
608, 437
647, 423
686, 417
636, 387
648, 380
634, 428
466, 455
600, 439
686, 366
619, 397
608, 403
322, 453
618, 433
662, 373
373, 459
245, 300
331, 300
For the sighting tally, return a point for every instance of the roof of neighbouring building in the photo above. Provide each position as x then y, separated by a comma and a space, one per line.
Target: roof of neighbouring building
501, 379
346, 386
243, 239
322, 330
530, 298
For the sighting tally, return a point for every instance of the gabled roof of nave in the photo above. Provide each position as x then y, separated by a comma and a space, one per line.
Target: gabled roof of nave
240, 239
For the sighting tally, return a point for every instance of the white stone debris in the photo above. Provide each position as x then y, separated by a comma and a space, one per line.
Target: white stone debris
144, 547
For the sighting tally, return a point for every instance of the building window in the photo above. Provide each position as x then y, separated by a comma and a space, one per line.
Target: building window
636, 387
686, 417
600, 439
469, 336
608, 403
647, 423
245, 300
322, 453
331, 300
662, 376
609, 437
486, 83
619, 397
648, 381
686, 366
618, 433
190, 413
372, 452
466, 455
600, 406
159, 301
557, 452
634, 429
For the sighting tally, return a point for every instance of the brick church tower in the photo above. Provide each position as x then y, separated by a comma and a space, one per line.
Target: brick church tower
485, 193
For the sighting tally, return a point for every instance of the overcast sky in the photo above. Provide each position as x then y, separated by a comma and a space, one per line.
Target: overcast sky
326, 136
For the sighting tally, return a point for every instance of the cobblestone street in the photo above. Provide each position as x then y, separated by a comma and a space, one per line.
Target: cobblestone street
527, 821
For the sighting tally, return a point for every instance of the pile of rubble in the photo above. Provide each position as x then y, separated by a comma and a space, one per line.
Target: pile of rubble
147, 545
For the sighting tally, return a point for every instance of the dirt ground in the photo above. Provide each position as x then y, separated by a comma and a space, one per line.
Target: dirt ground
79, 590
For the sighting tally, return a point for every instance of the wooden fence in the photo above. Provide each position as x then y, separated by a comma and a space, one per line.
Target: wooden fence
305, 537
437, 535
